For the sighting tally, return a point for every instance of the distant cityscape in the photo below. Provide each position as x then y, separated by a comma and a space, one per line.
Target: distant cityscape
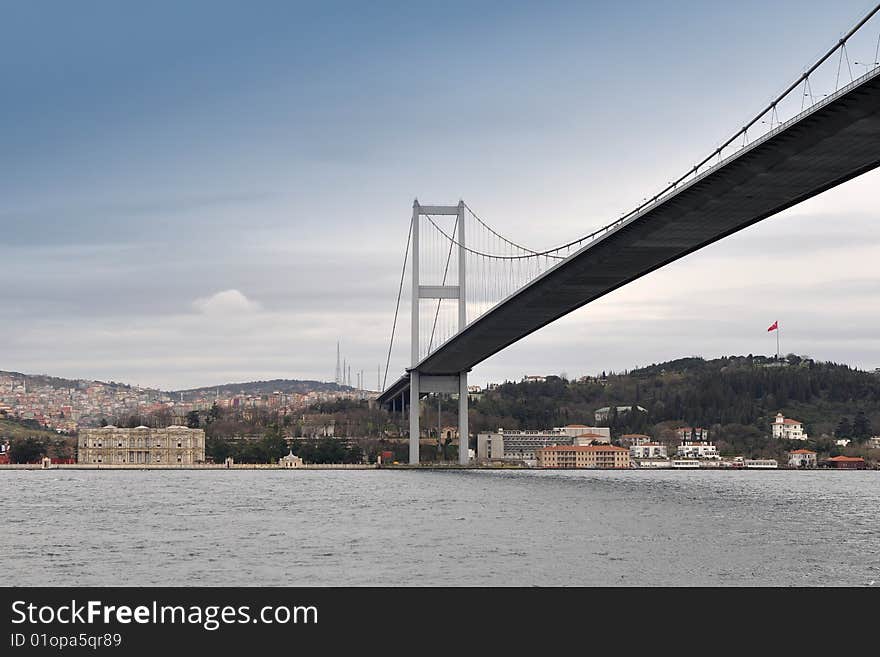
68, 405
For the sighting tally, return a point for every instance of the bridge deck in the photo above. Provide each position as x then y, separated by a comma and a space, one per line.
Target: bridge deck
835, 141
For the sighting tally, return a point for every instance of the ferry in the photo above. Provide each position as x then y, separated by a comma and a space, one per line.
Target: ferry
761, 464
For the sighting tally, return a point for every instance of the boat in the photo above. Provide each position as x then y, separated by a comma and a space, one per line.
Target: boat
761, 464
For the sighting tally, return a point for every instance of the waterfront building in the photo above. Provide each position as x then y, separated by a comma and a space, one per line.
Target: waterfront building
761, 464
517, 445
583, 456
846, 463
802, 458
788, 429
648, 451
174, 445
697, 450
685, 464
520, 445
874, 442
654, 464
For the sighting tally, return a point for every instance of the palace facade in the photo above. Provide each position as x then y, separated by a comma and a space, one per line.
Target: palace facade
174, 445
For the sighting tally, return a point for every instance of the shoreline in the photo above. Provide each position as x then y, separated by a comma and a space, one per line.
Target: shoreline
374, 466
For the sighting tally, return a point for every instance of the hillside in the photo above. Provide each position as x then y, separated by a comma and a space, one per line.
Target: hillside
46, 381
12, 429
263, 388
737, 395
248, 387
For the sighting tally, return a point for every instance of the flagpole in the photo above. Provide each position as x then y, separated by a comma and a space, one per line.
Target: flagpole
778, 331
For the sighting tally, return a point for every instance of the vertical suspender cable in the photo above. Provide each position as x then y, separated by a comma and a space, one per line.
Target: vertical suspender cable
397, 307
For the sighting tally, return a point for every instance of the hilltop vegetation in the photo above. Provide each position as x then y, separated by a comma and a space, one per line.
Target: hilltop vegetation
15, 429
747, 390
287, 386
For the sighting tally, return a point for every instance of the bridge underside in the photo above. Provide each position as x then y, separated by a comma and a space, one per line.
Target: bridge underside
829, 145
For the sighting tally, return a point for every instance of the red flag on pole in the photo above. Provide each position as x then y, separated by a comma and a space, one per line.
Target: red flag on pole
774, 326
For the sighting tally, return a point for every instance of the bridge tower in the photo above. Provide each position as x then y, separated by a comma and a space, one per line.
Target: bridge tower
446, 383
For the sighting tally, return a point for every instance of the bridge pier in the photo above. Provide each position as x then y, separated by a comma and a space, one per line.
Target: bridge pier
463, 439
414, 417
437, 383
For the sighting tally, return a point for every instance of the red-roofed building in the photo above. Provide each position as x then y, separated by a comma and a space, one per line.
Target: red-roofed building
589, 438
846, 463
802, 458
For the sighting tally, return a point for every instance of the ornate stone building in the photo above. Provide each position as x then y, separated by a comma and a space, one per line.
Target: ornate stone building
174, 445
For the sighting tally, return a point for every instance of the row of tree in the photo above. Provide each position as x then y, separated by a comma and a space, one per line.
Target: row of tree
32, 449
272, 447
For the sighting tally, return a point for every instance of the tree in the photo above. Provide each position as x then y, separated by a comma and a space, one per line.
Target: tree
273, 445
844, 428
192, 419
29, 450
861, 427
218, 449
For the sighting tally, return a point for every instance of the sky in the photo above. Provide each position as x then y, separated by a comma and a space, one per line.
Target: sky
196, 193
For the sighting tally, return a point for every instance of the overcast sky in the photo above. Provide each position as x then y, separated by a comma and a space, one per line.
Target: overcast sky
205, 192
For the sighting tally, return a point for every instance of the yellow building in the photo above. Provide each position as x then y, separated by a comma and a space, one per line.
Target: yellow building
174, 445
583, 456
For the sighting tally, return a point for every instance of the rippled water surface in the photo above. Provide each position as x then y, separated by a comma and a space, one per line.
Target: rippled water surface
339, 527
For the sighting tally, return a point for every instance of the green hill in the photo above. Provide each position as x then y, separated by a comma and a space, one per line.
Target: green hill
735, 397
12, 429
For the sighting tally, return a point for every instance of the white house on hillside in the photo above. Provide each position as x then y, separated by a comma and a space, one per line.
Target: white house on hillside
788, 429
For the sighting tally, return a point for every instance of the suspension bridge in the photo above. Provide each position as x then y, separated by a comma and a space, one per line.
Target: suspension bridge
475, 292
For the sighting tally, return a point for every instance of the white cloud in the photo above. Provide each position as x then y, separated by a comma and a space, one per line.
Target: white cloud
227, 302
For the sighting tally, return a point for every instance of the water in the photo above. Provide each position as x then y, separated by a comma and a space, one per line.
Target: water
304, 528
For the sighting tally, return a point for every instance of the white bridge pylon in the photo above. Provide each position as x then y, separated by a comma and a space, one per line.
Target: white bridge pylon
440, 384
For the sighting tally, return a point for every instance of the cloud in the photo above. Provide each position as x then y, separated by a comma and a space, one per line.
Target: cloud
227, 302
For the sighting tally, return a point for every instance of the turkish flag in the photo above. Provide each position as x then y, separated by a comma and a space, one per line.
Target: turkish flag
774, 326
